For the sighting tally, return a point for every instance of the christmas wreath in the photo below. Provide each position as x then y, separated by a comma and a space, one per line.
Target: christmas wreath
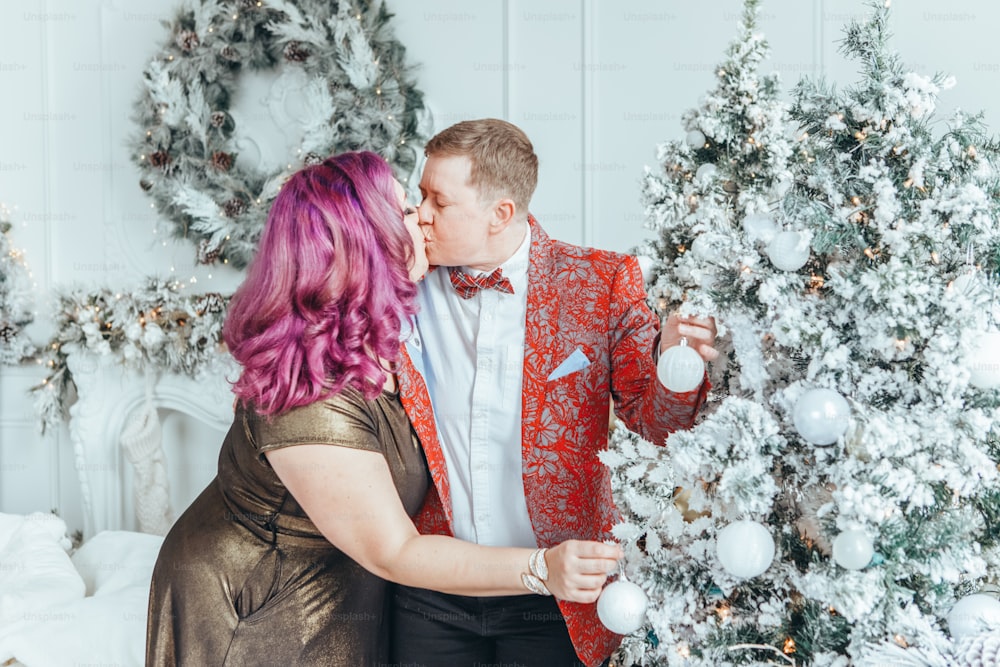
357, 94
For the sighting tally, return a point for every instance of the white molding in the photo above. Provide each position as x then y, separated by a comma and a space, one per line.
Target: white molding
107, 393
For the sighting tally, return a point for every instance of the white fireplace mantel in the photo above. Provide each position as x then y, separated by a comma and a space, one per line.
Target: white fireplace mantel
107, 393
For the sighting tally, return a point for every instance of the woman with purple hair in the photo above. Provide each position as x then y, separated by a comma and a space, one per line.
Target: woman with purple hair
284, 557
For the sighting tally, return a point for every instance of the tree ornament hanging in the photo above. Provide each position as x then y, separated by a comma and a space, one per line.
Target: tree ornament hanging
974, 614
821, 416
695, 139
745, 548
342, 85
853, 549
622, 605
788, 251
680, 369
983, 361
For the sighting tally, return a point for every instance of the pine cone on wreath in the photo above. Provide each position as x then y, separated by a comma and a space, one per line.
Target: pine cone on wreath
234, 207
187, 40
212, 302
159, 159
218, 118
207, 253
230, 53
311, 159
8, 332
295, 52
222, 161
982, 650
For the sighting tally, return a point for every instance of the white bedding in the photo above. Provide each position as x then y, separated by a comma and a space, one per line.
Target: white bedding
63, 607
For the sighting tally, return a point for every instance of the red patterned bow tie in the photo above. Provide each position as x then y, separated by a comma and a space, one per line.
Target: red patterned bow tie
467, 284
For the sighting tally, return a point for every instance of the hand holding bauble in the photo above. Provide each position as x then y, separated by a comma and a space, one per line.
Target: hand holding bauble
680, 369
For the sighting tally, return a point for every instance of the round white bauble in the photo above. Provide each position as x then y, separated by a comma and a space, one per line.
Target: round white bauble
745, 548
707, 247
967, 283
646, 266
695, 139
821, 416
706, 171
787, 251
680, 368
760, 227
622, 607
853, 549
974, 614
983, 361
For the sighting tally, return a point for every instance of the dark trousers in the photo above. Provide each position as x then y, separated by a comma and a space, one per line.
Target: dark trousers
438, 630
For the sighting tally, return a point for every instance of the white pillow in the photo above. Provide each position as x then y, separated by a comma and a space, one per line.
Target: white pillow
116, 559
103, 630
36, 573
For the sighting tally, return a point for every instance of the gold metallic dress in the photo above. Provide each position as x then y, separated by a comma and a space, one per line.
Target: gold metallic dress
245, 578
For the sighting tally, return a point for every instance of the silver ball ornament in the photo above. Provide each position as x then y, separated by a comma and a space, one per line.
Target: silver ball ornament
622, 607
745, 548
821, 416
680, 369
974, 614
695, 139
983, 361
853, 549
788, 251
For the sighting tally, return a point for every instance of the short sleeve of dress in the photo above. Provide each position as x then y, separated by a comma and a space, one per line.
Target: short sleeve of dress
345, 420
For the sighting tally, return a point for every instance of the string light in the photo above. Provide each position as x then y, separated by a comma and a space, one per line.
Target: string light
789, 646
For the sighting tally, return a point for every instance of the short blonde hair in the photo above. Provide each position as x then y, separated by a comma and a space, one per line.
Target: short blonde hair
504, 163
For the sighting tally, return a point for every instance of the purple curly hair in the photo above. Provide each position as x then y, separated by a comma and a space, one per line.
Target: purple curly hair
326, 294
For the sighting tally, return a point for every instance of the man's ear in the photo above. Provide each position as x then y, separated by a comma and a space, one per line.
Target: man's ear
503, 214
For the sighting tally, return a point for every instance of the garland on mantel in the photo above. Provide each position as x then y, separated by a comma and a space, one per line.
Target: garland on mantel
357, 94
15, 299
157, 326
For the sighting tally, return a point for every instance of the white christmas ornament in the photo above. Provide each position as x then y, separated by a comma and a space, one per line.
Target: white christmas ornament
622, 607
853, 549
983, 361
821, 416
760, 227
788, 251
646, 266
695, 139
680, 368
706, 171
745, 548
974, 614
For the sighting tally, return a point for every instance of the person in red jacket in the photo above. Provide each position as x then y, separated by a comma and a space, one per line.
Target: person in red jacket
522, 343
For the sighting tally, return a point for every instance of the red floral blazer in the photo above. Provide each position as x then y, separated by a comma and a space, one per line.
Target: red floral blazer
594, 301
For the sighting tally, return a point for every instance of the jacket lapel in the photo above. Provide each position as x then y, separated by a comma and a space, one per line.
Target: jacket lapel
417, 404
541, 344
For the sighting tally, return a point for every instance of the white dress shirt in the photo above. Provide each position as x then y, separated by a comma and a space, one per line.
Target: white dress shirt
473, 356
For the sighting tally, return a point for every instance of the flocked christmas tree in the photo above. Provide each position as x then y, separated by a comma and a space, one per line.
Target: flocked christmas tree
15, 298
838, 501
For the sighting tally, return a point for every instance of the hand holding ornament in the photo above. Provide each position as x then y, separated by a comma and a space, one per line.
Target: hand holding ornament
700, 333
577, 569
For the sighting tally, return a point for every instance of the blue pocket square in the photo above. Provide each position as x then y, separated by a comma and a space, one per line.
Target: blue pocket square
571, 364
